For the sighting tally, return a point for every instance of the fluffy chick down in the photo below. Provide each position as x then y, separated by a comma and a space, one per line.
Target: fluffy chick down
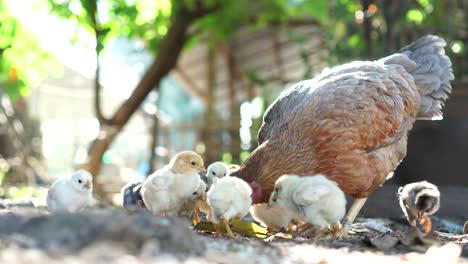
418, 199
190, 204
317, 199
228, 198
165, 191
71, 194
274, 217
217, 170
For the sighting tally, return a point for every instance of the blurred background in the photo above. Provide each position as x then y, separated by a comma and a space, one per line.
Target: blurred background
119, 86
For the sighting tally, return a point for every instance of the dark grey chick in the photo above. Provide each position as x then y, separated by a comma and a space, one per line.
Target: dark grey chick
204, 178
418, 199
131, 196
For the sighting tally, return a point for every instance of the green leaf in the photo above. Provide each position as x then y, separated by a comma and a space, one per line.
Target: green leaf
415, 15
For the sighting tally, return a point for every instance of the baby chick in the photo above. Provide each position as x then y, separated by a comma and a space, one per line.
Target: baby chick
190, 205
228, 198
131, 195
418, 199
71, 194
273, 217
216, 170
166, 189
317, 199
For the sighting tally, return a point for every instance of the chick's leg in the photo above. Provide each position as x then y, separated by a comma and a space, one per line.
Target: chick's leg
358, 203
196, 217
228, 228
321, 233
335, 229
218, 229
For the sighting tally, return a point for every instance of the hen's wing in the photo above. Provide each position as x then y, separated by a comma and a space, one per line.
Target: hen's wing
306, 194
275, 111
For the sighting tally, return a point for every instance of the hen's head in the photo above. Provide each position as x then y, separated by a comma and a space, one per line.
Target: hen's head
257, 192
82, 181
187, 162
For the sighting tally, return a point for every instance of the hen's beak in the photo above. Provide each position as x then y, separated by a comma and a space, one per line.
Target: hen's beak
87, 185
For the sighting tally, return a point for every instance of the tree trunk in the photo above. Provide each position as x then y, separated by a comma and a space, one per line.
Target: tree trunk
367, 28
234, 110
210, 128
154, 139
168, 54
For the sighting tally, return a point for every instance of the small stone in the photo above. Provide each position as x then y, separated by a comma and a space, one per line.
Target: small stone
384, 242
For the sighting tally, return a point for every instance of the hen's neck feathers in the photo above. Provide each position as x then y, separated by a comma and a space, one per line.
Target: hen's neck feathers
265, 165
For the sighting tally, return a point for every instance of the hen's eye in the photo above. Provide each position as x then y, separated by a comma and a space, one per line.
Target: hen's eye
79, 181
194, 163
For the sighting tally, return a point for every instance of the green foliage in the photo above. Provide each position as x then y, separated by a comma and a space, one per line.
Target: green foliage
23, 62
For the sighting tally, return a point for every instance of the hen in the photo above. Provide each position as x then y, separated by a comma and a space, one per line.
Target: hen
166, 189
351, 122
319, 201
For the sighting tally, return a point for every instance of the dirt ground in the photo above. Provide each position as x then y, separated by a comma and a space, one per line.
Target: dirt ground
114, 235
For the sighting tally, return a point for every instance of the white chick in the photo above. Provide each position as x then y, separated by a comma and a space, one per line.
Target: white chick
71, 194
228, 198
273, 217
191, 204
216, 170
418, 199
317, 199
166, 189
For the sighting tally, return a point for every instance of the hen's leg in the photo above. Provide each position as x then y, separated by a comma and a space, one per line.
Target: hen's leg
358, 203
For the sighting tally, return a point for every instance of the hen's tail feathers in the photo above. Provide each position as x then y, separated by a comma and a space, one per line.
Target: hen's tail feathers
432, 74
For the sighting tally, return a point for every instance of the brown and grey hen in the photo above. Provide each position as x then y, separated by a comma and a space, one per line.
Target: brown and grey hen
351, 122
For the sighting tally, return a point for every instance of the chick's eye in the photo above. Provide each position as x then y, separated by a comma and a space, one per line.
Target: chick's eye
79, 181
194, 163
213, 173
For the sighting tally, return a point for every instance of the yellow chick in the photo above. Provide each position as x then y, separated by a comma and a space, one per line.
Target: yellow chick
166, 189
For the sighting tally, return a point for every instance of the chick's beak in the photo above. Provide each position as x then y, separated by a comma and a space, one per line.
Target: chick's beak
202, 168
420, 214
273, 199
87, 185
201, 197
